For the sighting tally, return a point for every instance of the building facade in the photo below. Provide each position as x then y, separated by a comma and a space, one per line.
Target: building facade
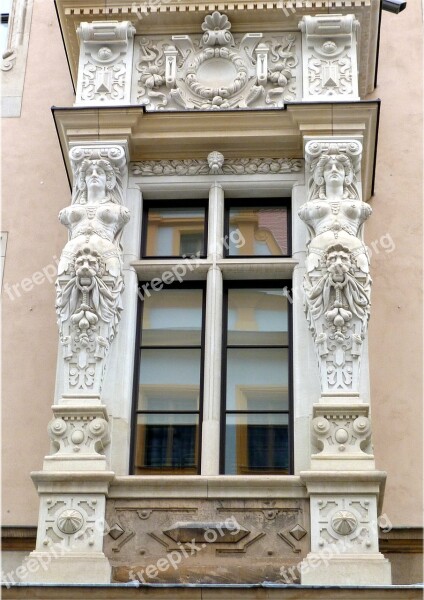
224, 406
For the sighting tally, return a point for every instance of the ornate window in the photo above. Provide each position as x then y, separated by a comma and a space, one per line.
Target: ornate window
213, 355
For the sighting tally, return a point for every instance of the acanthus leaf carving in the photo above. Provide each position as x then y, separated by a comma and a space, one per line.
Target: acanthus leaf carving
90, 281
337, 284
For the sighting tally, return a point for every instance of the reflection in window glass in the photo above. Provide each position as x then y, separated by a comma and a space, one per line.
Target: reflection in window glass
256, 444
175, 232
258, 317
264, 230
169, 394
166, 443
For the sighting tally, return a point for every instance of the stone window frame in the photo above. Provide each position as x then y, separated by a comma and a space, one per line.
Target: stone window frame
214, 187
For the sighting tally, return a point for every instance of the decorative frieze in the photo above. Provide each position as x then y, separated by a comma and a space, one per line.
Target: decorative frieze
104, 73
217, 165
329, 54
90, 281
216, 70
337, 283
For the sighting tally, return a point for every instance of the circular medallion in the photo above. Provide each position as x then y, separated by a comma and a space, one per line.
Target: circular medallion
70, 521
344, 522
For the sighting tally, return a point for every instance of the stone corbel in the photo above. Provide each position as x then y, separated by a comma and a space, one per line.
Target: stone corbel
330, 61
105, 64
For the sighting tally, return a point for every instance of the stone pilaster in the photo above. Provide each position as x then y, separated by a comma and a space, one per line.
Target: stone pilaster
343, 486
75, 478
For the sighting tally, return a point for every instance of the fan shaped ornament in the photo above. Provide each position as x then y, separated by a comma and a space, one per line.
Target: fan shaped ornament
70, 521
344, 522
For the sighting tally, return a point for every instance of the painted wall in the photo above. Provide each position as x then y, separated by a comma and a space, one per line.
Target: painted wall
396, 224
35, 188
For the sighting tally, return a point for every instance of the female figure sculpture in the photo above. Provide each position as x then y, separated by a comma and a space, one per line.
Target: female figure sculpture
90, 281
337, 281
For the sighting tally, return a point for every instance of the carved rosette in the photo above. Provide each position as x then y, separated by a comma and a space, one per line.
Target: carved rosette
106, 49
337, 281
90, 282
216, 70
329, 57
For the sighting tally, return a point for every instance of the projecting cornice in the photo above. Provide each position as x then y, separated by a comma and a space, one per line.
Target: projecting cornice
237, 134
173, 17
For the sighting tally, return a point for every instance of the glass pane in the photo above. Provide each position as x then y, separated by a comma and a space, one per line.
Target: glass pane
169, 380
256, 444
257, 379
264, 230
172, 318
175, 231
166, 444
257, 317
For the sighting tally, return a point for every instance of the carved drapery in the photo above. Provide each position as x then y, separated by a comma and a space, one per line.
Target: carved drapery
90, 282
337, 281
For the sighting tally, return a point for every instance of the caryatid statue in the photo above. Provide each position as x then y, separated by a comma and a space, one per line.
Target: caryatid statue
90, 281
337, 281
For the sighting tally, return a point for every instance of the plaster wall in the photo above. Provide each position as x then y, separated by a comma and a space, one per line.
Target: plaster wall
395, 334
34, 189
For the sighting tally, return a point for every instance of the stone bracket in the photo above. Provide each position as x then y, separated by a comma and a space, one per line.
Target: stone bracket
104, 73
330, 63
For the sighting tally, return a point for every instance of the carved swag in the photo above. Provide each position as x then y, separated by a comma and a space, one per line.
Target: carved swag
90, 282
337, 283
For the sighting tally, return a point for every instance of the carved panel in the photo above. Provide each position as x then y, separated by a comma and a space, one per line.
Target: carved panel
72, 521
206, 541
216, 164
216, 70
349, 521
329, 57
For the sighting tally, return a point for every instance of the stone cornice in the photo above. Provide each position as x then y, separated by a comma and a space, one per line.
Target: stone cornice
175, 18
237, 134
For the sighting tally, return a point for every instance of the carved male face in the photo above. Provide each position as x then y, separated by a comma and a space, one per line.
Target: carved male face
338, 264
334, 171
95, 177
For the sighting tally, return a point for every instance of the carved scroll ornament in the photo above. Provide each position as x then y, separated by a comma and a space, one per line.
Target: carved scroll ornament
90, 282
337, 283
216, 70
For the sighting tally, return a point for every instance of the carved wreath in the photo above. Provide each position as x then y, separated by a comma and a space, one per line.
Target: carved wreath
225, 91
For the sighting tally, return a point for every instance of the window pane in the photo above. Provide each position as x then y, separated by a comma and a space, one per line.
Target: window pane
257, 379
264, 230
172, 318
256, 444
257, 317
175, 231
166, 444
169, 380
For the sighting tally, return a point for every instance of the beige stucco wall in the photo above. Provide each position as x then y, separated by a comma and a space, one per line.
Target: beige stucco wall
396, 321
35, 188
